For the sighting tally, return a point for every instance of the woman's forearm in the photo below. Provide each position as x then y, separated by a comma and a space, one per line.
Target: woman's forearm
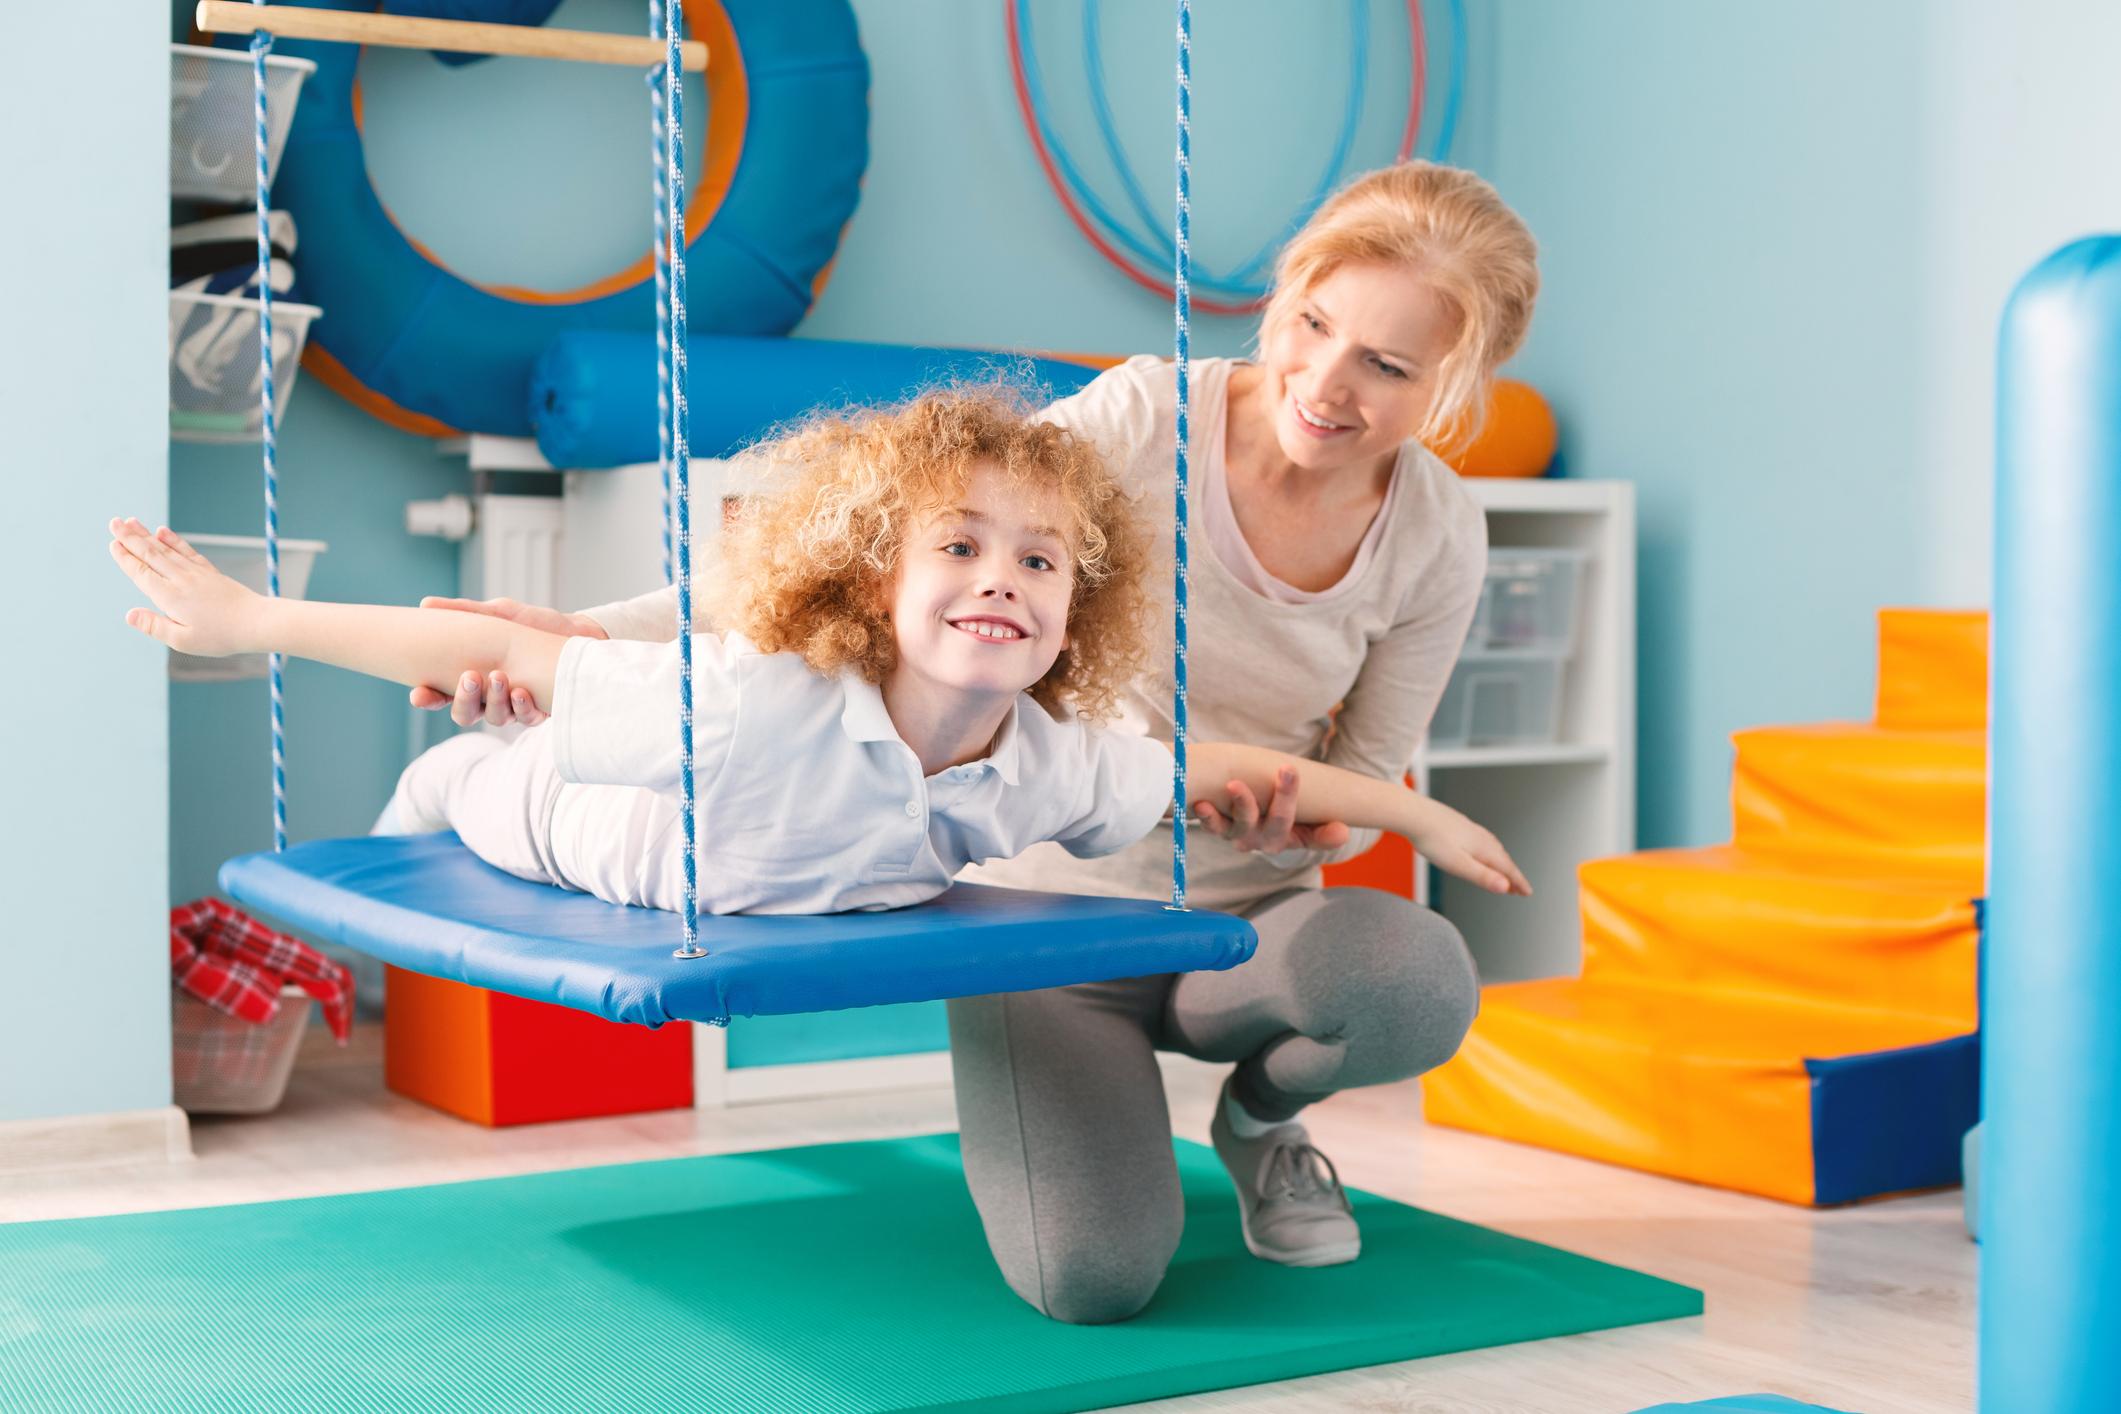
418, 647
1323, 792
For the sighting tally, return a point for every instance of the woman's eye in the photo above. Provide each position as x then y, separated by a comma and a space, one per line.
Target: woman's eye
1311, 323
1389, 370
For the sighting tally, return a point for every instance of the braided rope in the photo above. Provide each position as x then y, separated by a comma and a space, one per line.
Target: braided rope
260, 44
662, 282
1182, 305
680, 458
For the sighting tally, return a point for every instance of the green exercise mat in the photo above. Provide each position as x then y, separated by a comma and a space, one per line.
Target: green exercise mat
836, 1278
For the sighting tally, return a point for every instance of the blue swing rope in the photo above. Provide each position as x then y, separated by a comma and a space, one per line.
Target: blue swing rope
672, 207
669, 151
260, 45
662, 282
1240, 280
1182, 305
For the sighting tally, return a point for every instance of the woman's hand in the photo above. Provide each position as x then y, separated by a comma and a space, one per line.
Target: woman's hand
203, 611
492, 698
1457, 846
1247, 828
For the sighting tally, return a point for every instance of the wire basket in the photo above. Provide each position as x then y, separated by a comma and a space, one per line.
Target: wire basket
215, 384
224, 1065
242, 558
213, 131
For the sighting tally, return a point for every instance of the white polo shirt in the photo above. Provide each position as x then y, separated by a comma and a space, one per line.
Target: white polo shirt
809, 801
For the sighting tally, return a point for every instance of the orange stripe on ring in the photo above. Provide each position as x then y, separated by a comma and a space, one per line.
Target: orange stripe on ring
728, 115
334, 375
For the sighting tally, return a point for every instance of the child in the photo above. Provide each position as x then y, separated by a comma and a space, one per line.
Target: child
928, 612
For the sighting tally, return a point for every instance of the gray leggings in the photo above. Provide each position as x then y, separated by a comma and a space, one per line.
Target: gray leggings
1067, 1139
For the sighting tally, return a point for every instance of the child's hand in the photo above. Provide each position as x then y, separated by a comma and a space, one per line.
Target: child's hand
1456, 845
203, 610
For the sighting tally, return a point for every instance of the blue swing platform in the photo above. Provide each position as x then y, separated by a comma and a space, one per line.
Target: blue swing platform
426, 903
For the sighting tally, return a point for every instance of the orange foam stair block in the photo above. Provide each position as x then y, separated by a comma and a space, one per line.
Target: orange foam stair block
1805, 1103
497, 1060
1898, 800
1723, 919
1387, 865
1933, 669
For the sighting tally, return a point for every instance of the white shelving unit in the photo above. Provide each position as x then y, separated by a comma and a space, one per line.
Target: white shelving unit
1554, 806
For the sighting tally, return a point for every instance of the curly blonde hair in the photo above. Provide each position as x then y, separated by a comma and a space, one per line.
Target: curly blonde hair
809, 557
1450, 229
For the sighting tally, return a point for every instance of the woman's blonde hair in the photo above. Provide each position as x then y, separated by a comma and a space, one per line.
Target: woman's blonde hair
809, 557
1452, 230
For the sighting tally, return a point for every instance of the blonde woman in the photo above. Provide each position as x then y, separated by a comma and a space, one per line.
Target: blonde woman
1336, 563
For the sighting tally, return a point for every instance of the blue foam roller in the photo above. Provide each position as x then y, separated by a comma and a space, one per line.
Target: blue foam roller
592, 394
2050, 1225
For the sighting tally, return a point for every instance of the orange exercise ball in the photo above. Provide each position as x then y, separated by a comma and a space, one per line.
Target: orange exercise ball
1518, 438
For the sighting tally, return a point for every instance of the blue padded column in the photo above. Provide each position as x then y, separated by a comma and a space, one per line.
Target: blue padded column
2050, 1224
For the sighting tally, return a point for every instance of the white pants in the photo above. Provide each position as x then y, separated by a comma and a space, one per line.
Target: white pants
506, 801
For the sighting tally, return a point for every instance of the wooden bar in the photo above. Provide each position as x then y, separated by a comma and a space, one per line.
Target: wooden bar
453, 36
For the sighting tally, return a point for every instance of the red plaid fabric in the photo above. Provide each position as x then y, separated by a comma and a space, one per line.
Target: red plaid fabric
237, 965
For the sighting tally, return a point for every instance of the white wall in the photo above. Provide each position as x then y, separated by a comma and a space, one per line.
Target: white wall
84, 1004
2025, 156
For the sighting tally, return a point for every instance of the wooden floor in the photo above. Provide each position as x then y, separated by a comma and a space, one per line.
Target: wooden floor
1868, 1308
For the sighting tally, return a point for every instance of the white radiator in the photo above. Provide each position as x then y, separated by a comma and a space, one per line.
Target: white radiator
514, 550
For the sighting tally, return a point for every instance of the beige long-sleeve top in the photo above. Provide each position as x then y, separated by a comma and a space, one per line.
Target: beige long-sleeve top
1381, 647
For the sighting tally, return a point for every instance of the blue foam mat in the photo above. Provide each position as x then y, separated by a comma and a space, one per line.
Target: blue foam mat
425, 903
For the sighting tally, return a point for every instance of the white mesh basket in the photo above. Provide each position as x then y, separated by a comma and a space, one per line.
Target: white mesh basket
214, 378
222, 1064
213, 130
242, 558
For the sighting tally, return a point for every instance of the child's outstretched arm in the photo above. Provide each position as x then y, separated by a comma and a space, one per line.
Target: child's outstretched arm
203, 611
1444, 837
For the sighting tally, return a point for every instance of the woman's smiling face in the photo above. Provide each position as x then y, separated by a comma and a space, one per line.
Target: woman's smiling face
1350, 371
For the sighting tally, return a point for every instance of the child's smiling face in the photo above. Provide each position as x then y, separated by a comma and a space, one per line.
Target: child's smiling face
980, 601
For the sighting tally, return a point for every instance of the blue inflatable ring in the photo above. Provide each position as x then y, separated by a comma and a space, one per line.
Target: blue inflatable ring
420, 347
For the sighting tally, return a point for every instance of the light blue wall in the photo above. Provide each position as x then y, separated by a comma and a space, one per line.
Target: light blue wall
536, 174
84, 1012
956, 241
1774, 237
1732, 203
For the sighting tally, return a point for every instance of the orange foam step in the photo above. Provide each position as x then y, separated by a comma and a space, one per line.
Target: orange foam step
497, 1060
1901, 800
1933, 669
1724, 919
1805, 1103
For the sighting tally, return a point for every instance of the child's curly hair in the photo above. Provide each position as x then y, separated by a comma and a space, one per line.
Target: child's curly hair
809, 557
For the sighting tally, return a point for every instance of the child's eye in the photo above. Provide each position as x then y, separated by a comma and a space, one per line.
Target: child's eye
961, 548
1038, 562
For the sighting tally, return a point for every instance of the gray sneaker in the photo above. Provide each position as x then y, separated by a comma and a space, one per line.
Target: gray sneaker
1289, 1196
